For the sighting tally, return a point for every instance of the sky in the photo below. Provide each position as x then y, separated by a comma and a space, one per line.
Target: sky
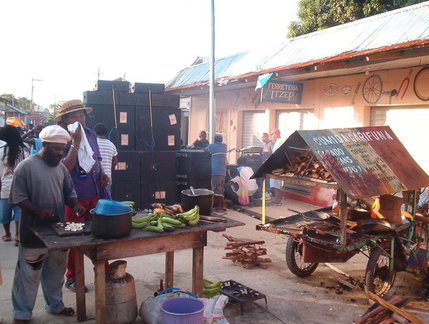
68, 45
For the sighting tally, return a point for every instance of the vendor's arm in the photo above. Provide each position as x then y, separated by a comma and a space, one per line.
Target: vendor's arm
45, 214
73, 204
71, 158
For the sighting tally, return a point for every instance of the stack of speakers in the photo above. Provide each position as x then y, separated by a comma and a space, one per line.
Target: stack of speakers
144, 124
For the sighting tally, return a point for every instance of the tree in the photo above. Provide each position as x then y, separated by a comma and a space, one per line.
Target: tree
320, 14
20, 102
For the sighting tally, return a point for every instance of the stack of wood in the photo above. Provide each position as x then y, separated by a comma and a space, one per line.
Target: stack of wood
246, 253
388, 310
305, 165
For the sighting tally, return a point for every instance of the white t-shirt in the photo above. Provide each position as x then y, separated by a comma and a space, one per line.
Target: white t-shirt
6, 172
107, 151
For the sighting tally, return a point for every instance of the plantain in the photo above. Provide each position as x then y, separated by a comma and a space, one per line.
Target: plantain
172, 222
158, 205
209, 293
143, 219
189, 213
154, 229
179, 208
194, 221
138, 225
164, 211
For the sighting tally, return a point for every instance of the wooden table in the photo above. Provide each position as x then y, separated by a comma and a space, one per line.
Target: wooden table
137, 243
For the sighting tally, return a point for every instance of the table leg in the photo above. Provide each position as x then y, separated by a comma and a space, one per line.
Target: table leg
197, 270
169, 269
100, 292
80, 286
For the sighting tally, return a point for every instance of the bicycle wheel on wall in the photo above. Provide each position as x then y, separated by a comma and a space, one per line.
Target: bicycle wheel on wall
372, 89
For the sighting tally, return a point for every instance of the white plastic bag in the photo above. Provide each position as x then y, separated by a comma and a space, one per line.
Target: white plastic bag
213, 311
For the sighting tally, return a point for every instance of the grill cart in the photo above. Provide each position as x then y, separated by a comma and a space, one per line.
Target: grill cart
359, 164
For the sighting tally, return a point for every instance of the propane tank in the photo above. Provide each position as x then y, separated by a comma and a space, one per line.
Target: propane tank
121, 303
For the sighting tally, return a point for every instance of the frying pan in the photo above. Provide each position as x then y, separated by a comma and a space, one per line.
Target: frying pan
375, 226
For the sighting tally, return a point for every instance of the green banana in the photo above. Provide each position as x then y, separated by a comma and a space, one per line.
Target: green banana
189, 213
143, 219
195, 220
138, 225
172, 222
154, 229
208, 293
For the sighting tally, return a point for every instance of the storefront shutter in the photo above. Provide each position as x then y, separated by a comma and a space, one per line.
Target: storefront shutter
254, 124
410, 125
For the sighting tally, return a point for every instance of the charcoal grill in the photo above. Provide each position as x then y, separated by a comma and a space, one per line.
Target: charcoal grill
240, 293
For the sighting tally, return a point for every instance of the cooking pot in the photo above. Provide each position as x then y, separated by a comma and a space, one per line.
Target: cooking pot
355, 214
202, 197
111, 226
376, 225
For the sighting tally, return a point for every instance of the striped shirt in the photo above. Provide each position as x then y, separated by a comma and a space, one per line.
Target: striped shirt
107, 151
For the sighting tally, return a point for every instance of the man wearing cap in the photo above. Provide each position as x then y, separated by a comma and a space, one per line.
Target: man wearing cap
41, 187
218, 152
274, 183
83, 160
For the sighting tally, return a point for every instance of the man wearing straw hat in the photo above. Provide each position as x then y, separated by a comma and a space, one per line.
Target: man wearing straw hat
40, 187
83, 159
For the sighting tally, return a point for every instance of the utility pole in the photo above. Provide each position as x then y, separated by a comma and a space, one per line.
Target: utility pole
212, 101
32, 91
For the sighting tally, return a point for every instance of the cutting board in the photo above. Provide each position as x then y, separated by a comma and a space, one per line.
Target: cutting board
60, 230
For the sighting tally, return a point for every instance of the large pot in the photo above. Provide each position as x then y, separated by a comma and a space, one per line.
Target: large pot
111, 226
203, 198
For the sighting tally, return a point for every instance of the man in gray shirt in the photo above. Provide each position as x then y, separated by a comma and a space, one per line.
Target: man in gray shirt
41, 187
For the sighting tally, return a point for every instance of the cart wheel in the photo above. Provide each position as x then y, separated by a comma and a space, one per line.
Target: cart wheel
378, 278
293, 259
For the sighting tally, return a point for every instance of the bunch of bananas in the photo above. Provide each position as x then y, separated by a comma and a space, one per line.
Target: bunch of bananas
191, 217
160, 222
211, 289
169, 210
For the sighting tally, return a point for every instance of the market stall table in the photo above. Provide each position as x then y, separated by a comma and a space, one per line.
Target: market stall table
137, 243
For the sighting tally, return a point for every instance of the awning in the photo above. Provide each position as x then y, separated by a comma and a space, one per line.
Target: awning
364, 161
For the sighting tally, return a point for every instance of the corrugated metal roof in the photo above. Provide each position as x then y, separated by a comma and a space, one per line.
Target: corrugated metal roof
400, 28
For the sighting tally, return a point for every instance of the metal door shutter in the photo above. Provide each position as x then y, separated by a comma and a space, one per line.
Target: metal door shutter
254, 124
410, 124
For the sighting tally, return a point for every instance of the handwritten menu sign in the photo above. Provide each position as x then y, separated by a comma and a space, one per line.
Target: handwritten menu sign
366, 161
284, 92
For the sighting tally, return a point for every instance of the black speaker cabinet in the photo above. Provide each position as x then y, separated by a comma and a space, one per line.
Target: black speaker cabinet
162, 166
127, 191
164, 117
195, 165
166, 192
125, 116
123, 138
128, 168
146, 87
157, 139
143, 99
101, 97
118, 86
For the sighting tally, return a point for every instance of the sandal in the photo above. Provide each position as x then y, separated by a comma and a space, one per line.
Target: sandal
67, 311
17, 239
6, 238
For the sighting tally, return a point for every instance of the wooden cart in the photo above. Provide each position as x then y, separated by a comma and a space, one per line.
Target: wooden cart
361, 162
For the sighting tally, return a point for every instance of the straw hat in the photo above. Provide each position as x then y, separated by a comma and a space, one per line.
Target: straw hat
69, 107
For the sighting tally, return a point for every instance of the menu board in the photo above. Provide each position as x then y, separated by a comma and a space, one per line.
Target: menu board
366, 161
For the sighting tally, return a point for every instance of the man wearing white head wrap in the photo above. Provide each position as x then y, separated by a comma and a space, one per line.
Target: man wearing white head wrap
41, 187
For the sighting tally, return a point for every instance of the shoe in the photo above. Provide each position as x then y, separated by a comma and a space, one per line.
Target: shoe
71, 284
6, 238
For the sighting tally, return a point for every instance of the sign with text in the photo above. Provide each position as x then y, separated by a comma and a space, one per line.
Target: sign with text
281, 91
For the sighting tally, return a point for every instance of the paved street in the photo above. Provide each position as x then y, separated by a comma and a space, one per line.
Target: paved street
290, 299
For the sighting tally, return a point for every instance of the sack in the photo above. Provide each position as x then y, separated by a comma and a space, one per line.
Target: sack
150, 309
